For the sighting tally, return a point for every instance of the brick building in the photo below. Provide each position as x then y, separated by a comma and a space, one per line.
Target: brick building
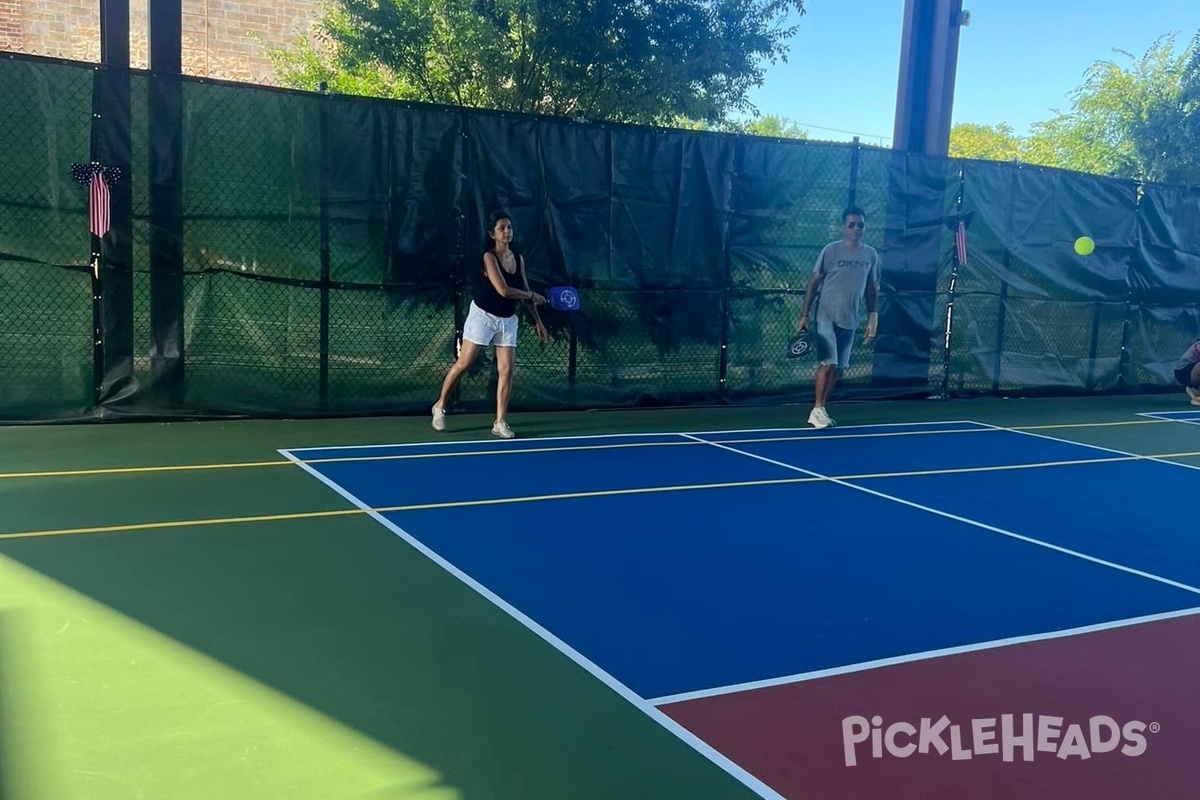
221, 38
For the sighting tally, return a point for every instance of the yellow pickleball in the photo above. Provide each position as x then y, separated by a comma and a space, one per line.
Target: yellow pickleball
1084, 245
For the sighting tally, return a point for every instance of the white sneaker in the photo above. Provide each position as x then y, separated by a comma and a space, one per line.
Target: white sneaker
502, 430
1193, 395
818, 418
439, 418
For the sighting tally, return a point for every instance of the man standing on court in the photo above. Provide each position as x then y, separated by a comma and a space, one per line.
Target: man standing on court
846, 272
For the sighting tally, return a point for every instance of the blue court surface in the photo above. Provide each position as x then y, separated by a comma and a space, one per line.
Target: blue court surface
676, 563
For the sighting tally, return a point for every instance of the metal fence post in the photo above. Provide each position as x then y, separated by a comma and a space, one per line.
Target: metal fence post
853, 193
323, 239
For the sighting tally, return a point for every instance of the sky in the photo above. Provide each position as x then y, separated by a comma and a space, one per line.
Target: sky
1018, 60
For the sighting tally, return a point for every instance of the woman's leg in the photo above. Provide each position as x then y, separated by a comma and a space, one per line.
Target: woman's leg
505, 357
467, 354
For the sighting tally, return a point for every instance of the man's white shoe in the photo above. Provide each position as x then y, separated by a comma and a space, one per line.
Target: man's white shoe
502, 430
439, 418
1193, 395
818, 418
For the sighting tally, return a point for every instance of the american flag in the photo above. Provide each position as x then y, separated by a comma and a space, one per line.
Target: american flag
960, 241
97, 178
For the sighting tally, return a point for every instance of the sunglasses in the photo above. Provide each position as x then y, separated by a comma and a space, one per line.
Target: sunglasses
856, 224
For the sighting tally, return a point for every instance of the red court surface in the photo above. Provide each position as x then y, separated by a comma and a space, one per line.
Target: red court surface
790, 736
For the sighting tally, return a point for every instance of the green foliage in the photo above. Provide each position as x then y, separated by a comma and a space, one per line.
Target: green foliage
769, 125
1129, 118
990, 142
306, 68
775, 127
1135, 118
613, 60
1189, 100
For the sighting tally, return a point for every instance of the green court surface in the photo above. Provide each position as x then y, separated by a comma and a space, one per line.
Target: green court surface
184, 613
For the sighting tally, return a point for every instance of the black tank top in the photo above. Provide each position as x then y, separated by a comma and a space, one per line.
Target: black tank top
486, 296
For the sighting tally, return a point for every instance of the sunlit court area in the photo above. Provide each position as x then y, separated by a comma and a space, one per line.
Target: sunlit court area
576, 400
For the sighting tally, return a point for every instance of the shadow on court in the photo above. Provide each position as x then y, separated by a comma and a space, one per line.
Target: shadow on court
345, 618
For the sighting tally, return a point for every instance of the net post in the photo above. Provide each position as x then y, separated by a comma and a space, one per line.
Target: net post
1097, 313
950, 289
944, 390
323, 240
1001, 316
1126, 357
459, 278
112, 262
1126, 337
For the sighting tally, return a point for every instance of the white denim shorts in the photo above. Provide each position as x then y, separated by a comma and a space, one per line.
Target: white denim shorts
483, 328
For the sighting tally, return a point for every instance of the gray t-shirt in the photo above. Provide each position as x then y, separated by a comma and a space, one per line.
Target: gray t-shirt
846, 274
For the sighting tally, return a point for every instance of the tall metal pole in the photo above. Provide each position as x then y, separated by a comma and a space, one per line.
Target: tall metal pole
165, 173
112, 275
928, 67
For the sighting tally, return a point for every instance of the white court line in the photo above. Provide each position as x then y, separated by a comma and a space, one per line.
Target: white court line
685, 487
713, 755
514, 451
664, 434
866, 666
1173, 416
1136, 456
493, 442
1055, 425
820, 433
975, 523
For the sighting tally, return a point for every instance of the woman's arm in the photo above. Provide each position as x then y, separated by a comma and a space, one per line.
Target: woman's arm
543, 334
533, 296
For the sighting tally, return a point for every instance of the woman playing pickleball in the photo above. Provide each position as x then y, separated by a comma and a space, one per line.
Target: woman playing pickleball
492, 320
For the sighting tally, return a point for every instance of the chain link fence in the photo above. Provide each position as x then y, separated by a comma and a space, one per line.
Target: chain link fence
330, 247
46, 313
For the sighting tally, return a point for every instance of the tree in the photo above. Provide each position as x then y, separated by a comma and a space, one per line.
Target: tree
1139, 119
775, 127
1073, 142
614, 60
990, 142
769, 125
1133, 121
1190, 100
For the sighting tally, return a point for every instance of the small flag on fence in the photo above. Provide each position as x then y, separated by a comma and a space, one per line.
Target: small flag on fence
960, 241
97, 179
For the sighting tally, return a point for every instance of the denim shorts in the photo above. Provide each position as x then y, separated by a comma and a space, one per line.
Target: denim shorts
483, 328
834, 343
